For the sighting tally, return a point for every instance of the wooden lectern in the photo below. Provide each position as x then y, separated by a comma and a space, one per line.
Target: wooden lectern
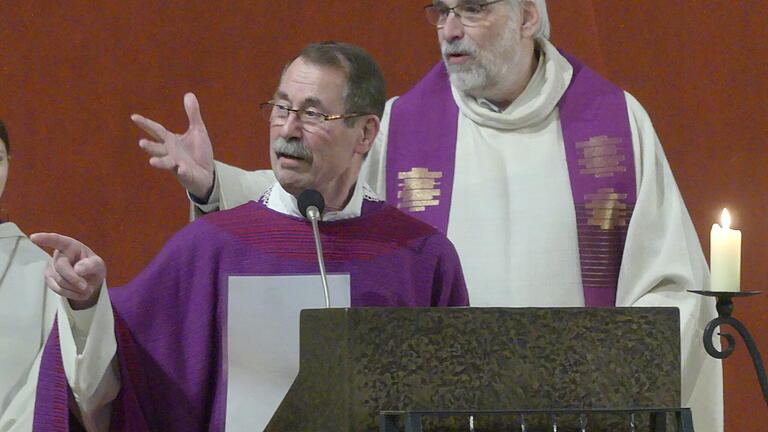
357, 362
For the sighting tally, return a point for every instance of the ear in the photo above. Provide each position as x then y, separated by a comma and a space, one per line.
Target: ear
531, 20
368, 132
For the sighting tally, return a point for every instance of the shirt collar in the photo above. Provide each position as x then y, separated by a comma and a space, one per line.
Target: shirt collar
279, 200
488, 105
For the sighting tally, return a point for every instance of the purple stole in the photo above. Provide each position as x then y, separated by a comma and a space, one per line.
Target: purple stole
52, 411
55, 402
421, 153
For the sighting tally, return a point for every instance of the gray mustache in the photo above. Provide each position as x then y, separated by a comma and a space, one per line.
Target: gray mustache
459, 46
292, 147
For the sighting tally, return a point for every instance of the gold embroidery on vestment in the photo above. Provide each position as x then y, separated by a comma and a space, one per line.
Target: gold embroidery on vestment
417, 189
606, 210
601, 156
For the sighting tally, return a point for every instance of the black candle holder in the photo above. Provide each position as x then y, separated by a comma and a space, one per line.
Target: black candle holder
725, 310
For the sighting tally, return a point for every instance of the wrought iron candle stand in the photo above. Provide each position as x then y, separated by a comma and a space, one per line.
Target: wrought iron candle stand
724, 311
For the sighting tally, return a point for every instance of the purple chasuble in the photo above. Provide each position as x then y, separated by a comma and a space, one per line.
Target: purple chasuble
171, 320
421, 153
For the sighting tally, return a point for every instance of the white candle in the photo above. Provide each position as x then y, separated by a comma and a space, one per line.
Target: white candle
725, 256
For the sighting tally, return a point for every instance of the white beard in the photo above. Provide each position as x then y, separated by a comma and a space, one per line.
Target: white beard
486, 67
468, 78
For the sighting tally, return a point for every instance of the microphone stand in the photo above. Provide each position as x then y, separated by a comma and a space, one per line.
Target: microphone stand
314, 215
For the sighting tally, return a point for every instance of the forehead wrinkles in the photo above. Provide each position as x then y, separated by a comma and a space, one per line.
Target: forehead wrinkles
450, 4
315, 77
307, 101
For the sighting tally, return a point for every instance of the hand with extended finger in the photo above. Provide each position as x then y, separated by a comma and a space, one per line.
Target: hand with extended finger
188, 155
75, 272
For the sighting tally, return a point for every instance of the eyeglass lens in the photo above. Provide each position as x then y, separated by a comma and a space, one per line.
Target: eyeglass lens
467, 13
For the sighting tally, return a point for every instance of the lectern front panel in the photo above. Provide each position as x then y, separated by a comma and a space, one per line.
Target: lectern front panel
357, 362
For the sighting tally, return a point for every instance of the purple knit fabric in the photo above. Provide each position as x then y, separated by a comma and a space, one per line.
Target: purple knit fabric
171, 318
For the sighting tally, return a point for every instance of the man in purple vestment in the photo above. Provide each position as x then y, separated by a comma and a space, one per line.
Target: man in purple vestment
163, 366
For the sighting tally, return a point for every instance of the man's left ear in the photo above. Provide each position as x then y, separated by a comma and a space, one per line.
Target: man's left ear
368, 132
531, 19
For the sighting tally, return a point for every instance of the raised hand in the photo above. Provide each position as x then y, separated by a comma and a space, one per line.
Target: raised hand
75, 272
188, 155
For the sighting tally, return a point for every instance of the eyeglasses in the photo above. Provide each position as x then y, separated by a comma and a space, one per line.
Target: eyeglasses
469, 14
277, 114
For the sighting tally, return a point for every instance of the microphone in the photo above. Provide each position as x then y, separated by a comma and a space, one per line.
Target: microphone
311, 205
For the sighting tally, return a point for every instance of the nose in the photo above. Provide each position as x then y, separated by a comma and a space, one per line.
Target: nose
292, 127
453, 28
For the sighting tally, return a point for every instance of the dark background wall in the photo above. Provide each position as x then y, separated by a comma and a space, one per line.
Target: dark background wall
72, 72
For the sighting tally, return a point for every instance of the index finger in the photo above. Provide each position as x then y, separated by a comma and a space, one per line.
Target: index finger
66, 245
155, 129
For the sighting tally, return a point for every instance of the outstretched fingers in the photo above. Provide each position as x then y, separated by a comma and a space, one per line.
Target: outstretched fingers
154, 149
192, 107
164, 162
153, 128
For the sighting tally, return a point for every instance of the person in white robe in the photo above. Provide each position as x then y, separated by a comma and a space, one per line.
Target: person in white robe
512, 195
24, 328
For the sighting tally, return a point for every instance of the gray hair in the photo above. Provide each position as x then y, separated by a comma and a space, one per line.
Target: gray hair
544, 27
365, 90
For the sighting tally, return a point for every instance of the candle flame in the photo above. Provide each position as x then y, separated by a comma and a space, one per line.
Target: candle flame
725, 219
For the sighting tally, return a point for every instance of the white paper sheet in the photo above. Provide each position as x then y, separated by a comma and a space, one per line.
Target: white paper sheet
263, 340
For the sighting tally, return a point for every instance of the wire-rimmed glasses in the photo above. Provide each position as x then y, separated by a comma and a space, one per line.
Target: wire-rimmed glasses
469, 14
277, 114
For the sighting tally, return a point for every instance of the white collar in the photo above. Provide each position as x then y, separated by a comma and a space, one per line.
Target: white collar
541, 95
278, 199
